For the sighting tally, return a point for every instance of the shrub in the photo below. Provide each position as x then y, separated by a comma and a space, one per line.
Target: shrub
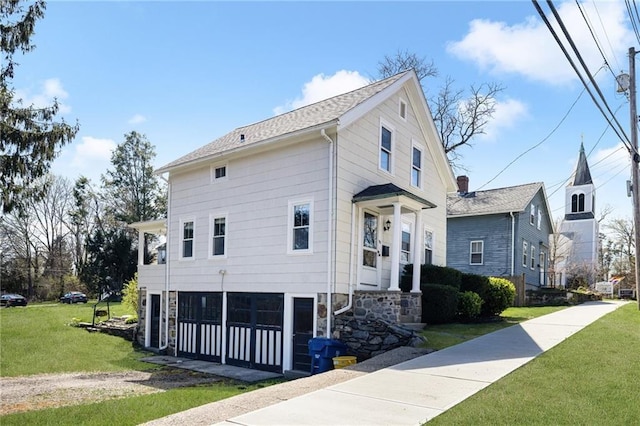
499, 296
130, 294
431, 274
469, 305
474, 282
439, 303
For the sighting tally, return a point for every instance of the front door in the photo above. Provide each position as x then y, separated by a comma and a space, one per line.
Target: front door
370, 253
155, 321
302, 332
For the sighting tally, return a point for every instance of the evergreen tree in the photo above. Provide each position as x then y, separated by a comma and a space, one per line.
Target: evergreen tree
29, 136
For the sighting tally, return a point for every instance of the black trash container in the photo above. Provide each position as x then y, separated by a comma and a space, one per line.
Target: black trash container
322, 351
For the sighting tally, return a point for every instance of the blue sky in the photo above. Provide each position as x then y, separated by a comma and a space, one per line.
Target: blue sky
185, 73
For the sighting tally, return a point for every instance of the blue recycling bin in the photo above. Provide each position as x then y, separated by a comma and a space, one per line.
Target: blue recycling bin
322, 351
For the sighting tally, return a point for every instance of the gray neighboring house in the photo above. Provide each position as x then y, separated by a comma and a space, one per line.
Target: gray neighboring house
500, 232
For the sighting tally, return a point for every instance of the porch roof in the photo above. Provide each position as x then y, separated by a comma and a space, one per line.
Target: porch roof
390, 190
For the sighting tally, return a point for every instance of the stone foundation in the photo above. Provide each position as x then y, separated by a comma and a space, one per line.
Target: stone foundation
395, 307
173, 312
142, 312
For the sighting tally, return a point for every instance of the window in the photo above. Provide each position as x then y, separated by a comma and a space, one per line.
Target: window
405, 249
218, 235
428, 247
542, 268
386, 146
477, 252
532, 215
416, 167
370, 240
402, 109
577, 203
525, 249
533, 257
300, 231
218, 173
539, 218
187, 239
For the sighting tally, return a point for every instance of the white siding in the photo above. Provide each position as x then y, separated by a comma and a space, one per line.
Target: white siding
255, 197
358, 156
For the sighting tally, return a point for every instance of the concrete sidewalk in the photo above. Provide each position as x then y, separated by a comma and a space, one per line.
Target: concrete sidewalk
412, 392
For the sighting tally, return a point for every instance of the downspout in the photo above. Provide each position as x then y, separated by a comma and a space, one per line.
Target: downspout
513, 243
329, 232
351, 262
167, 263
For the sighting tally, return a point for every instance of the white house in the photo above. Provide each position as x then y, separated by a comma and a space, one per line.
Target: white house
267, 223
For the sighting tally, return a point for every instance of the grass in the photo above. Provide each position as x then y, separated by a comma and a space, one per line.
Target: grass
591, 378
38, 339
444, 335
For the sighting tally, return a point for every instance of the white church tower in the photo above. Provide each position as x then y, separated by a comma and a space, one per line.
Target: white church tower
580, 226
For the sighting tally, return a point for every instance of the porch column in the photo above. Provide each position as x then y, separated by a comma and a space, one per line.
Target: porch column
140, 247
394, 284
417, 251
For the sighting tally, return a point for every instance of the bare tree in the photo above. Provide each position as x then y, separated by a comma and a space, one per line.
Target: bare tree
459, 116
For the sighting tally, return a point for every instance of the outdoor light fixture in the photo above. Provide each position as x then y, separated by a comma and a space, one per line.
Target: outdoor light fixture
387, 225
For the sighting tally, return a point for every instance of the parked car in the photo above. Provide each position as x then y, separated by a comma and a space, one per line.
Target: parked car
74, 297
9, 300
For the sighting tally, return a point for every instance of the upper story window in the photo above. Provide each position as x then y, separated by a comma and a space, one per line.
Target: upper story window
402, 109
525, 250
218, 173
218, 235
416, 166
187, 228
539, 219
405, 249
386, 148
428, 247
532, 215
577, 203
477, 253
300, 227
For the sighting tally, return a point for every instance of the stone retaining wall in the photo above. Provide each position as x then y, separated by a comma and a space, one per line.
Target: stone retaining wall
392, 306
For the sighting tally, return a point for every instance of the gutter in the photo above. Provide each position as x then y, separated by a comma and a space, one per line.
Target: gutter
351, 262
513, 243
329, 232
167, 263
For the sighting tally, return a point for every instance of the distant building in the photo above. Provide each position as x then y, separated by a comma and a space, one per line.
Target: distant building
576, 248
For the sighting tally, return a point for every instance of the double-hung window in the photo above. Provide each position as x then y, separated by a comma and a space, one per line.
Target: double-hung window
218, 235
532, 215
187, 234
428, 247
405, 249
525, 249
477, 253
533, 256
416, 166
218, 173
300, 227
386, 148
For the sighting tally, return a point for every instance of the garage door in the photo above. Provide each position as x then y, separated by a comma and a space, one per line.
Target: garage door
200, 325
254, 330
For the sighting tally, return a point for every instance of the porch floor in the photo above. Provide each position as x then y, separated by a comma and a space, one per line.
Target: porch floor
229, 371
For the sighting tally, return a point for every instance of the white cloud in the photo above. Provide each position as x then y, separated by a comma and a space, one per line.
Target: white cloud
323, 87
506, 115
137, 119
529, 49
92, 152
49, 89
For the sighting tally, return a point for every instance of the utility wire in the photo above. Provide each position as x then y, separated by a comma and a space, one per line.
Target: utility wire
593, 35
586, 69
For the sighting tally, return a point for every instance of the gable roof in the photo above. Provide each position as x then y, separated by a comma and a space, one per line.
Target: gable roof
493, 201
310, 117
582, 175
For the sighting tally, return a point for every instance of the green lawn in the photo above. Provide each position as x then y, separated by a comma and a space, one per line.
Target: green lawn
37, 339
592, 378
443, 335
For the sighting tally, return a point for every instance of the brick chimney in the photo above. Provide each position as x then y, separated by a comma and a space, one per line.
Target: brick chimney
463, 184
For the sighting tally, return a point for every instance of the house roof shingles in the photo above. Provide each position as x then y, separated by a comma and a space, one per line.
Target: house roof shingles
297, 120
492, 201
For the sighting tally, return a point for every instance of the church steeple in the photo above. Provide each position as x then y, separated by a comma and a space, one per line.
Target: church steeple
582, 175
